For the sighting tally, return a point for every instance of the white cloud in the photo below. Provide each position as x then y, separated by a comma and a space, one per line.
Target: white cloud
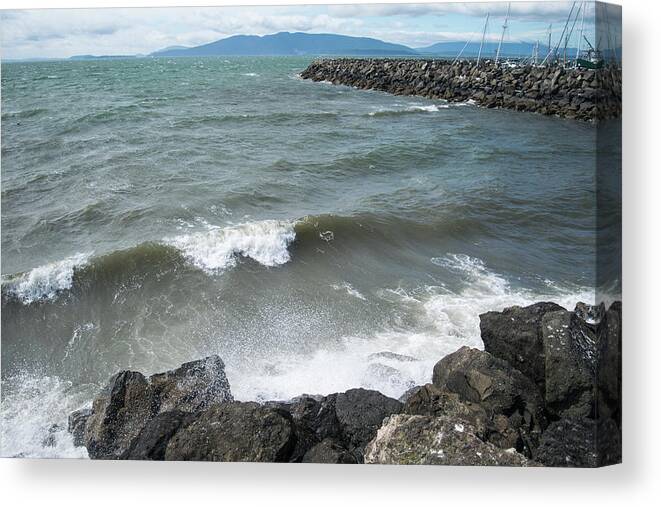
65, 32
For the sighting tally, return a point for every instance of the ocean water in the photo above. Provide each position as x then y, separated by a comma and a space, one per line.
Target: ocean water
156, 211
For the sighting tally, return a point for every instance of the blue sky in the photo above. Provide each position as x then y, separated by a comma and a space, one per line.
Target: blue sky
56, 33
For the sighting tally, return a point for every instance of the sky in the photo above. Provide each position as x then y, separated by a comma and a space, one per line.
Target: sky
60, 33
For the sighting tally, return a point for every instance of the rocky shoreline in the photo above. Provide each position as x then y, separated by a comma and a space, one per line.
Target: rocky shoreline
545, 391
582, 94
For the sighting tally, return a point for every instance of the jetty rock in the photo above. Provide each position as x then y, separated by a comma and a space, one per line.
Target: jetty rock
546, 391
130, 400
574, 93
424, 440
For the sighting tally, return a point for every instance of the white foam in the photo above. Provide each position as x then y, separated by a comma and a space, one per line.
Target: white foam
217, 249
442, 321
251, 74
348, 288
410, 108
33, 417
432, 108
47, 281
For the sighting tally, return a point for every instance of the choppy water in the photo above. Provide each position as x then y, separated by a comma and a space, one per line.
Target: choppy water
156, 211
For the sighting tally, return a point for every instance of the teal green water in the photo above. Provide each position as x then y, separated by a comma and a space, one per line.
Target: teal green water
158, 210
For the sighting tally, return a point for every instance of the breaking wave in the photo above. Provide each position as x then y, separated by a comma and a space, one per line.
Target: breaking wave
44, 282
217, 249
395, 359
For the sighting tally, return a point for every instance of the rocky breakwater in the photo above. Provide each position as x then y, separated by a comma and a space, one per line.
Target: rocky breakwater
546, 391
583, 94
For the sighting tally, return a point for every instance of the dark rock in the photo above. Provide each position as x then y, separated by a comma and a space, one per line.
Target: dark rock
193, 386
77, 421
235, 432
360, 413
609, 371
570, 350
151, 442
425, 440
329, 451
118, 414
590, 314
130, 400
515, 335
478, 377
579, 443
434, 401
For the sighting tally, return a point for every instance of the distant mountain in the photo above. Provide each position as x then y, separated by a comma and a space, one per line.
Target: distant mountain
169, 48
286, 43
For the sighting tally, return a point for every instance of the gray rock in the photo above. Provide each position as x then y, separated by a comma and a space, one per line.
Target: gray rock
329, 451
590, 314
130, 401
515, 335
480, 378
570, 351
579, 443
360, 413
193, 386
425, 440
151, 442
76, 425
118, 414
435, 401
609, 370
235, 432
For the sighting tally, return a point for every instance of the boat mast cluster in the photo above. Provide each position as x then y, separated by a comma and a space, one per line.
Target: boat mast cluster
552, 55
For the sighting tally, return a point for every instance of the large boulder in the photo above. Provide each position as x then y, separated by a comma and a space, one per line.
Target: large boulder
331, 452
151, 442
76, 425
434, 401
571, 356
360, 413
350, 420
609, 371
119, 412
515, 335
235, 432
130, 400
580, 443
193, 386
426, 440
501, 390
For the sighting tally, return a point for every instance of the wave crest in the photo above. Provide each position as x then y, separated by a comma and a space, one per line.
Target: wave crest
45, 282
217, 249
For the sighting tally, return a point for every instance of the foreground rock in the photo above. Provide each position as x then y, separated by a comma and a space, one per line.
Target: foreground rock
425, 440
511, 401
515, 335
582, 94
348, 420
234, 432
546, 391
130, 401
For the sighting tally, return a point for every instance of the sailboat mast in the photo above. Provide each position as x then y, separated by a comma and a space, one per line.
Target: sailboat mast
502, 35
580, 37
484, 34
